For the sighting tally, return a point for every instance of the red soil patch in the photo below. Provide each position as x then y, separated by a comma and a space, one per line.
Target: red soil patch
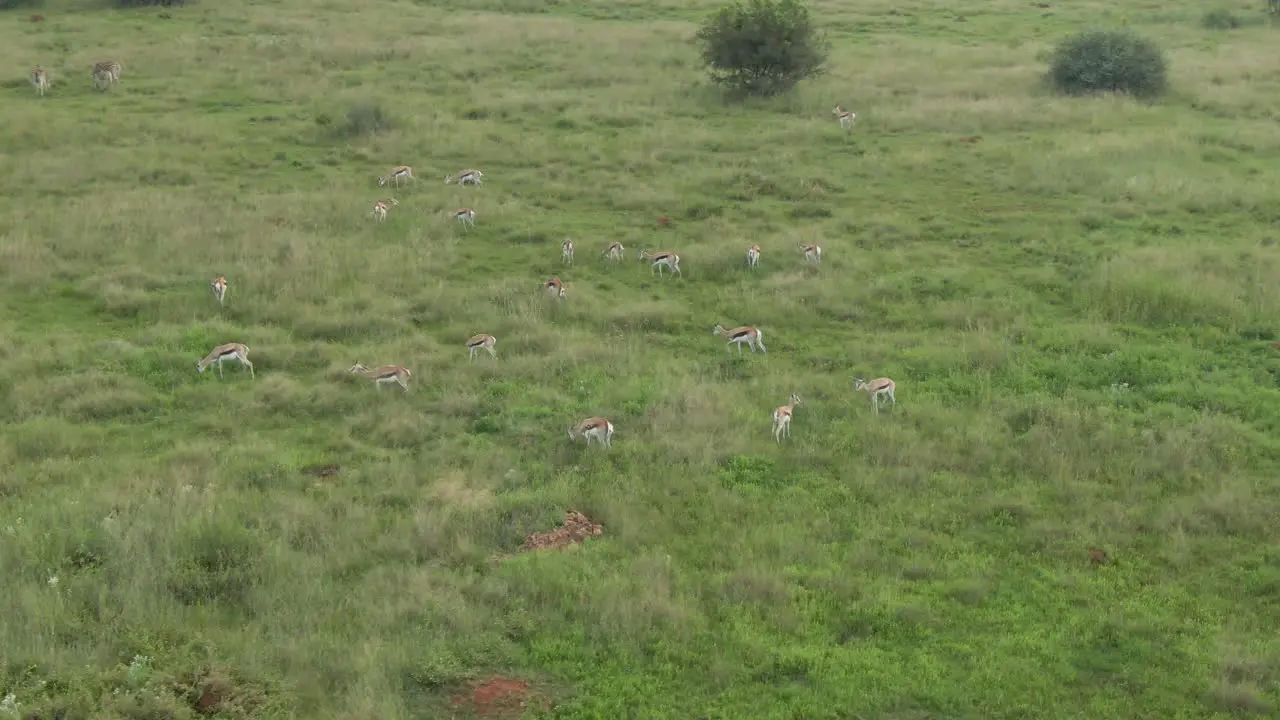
499, 697
575, 529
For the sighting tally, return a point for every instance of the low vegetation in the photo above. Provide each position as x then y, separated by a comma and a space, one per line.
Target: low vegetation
1069, 511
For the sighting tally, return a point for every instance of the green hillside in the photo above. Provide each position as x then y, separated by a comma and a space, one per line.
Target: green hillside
1077, 300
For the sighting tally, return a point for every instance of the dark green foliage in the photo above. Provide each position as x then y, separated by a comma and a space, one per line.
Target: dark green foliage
1220, 19
363, 119
16, 4
1117, 61
762, 47
149, 3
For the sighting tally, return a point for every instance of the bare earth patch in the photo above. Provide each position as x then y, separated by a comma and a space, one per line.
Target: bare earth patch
574, 530
499, 697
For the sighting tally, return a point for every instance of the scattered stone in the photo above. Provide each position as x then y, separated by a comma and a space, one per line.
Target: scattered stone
575, 529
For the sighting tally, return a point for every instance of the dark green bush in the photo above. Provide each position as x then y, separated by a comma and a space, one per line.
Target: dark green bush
1118, 61
149, 3
363, 119
761, 47
1220, 20
15, 4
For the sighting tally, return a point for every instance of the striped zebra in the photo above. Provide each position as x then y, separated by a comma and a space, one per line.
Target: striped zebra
106, 74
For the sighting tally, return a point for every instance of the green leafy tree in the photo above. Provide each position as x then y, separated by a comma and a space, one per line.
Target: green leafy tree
1109, 61
762, 47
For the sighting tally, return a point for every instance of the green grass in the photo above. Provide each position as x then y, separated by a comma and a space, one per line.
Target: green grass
1078, 309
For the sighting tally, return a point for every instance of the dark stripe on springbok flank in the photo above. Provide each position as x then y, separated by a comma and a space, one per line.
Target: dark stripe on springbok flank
474, 343
229, 352
744, 333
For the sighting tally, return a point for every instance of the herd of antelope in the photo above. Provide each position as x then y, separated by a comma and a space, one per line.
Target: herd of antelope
598, 429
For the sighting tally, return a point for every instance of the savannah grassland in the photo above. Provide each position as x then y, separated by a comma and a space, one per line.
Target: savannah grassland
1079, 309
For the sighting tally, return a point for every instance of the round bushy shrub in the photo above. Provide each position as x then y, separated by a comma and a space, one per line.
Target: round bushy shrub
1117, 61
761, 47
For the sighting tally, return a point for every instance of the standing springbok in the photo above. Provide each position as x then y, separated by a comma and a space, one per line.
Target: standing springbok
398, 173
40, 79
614, 251
566, 251
470, 176
381, 207
782, 419
481, 342
219, 288
466, 216
876, 388
554, 287
384, 374
812, 253
845, 117
669, 260
745, 334
222, 353
596, 428
753, 256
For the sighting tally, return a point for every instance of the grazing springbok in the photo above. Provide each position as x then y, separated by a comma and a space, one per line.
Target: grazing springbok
845, 117
739, 335
614, 251
753, 256
466, 177
876, 388
566, 251
554, 287
481, 342
40, 79
384, 374
812, 253
466, 216
782, 419
381, 207
222, 353
596, 428
219, 288
669, 260
398, 173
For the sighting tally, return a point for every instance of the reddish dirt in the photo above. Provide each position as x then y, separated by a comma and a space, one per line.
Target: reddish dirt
575, 529
499, 697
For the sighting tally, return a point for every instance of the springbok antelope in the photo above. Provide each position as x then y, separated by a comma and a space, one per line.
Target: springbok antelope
745, 334
596, 428
384, 374
481, 342
466, 177
782, 419
466, 216
222, 353
40, 79
219, 288
812, 253
554, 288
614, 251
846, 117
397, 174
381, 207
876, 388
566, 251
669, 260
106, 74
753, 256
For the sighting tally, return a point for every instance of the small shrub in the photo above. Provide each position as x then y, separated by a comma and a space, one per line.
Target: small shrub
367, 118
761, 47
1117, 61
15, 4
1220, 20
